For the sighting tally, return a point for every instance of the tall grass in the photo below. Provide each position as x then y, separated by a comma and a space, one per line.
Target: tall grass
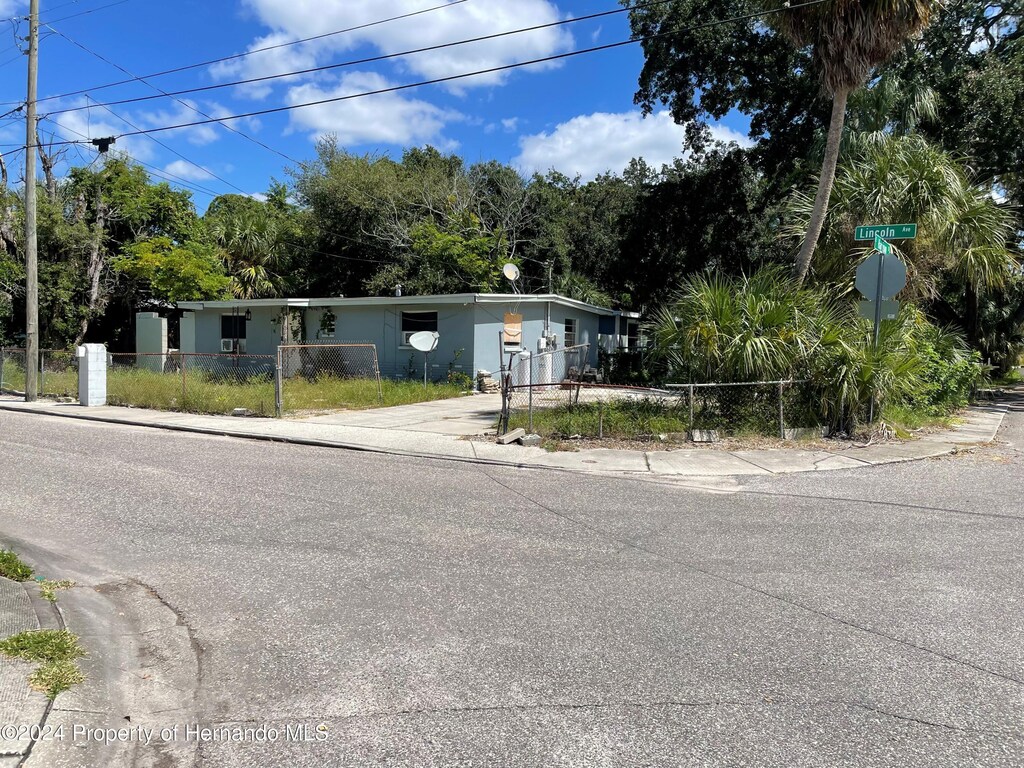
331, 392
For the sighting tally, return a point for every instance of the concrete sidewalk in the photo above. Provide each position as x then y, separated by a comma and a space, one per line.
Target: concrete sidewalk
20, 706
979, 426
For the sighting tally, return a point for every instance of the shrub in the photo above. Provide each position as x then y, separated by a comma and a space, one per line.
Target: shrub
764, 327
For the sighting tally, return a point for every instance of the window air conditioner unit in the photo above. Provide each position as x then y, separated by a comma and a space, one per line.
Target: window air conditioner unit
227, 345
241, 347
406, 335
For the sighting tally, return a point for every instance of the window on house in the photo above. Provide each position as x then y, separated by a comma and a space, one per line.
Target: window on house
232, 333
513, 333
414, 322
328, 324
570, 332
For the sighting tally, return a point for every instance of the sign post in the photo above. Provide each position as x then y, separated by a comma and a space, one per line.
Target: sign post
880, 277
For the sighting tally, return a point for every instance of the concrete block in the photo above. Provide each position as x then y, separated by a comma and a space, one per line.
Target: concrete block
511, 437
92, 375
531, 441
704, 436
151, 341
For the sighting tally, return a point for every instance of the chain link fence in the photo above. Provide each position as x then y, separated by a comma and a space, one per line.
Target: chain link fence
58, 372
580, 404
12, 371
317, 377
194, 383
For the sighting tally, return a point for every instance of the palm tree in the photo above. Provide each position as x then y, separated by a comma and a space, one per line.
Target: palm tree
964, 233
252, 251
848, 39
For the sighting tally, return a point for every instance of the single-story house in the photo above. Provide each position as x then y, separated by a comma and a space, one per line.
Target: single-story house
477, 330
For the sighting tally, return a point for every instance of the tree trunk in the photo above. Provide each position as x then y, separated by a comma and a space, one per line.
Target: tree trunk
828, 176
972, 320
95, 268
48, 161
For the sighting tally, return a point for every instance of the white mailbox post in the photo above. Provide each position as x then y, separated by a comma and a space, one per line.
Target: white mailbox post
92, 375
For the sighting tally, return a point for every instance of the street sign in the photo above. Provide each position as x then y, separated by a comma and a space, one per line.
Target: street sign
890, 310
893, 276
881, 246
886, 232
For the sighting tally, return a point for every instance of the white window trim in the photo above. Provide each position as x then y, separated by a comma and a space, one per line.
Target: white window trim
404, 342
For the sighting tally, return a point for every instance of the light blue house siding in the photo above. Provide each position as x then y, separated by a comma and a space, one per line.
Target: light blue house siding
381, 326
471, 327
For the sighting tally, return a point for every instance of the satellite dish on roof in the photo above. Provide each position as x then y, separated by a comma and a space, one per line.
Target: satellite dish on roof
511, 271
424, 341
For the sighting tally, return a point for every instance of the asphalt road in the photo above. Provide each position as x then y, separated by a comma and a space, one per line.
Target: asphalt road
441, 614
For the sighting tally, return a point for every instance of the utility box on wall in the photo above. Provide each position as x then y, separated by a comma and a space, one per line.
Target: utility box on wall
92, 374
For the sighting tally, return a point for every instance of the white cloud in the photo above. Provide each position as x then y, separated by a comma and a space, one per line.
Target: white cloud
10, 7
199, 135
387, 118
589, 145
510, 123
288, 59
294, 19
188, 171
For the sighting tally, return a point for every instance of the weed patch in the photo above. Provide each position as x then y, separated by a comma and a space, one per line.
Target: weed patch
55, 651
12, 567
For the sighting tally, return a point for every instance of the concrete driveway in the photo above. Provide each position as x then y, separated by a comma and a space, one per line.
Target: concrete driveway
471, 415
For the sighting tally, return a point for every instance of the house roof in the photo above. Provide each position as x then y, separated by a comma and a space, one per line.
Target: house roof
369, 301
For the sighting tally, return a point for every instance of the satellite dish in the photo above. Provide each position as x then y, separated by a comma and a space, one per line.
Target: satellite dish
511, 271
425, 341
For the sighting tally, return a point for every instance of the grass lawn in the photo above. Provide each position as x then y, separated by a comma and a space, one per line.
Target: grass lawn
330, 393
619, 419
207, 393
53, 383
203, 392
636, 418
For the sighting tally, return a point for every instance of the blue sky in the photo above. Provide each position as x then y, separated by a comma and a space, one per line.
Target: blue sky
576, 116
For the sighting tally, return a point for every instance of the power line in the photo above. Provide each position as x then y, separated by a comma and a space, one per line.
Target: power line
164, 174
167, 147
256, 50
185, 104
490, 70
153, 169
377, 58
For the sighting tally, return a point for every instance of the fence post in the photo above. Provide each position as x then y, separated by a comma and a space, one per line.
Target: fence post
3, 357
42, 371
782, 415
184, 364
691, 409
503, 417
279, 386
529, 361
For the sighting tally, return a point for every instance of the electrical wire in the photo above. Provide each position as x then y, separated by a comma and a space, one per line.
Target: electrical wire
184, 103
490, 70
163, 173
375, 59
236, 56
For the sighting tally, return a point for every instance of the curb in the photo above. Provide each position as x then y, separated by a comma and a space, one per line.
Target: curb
313, 442
47, 617
952, 446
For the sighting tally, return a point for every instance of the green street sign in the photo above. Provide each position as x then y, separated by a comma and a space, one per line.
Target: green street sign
886, 232
882, 247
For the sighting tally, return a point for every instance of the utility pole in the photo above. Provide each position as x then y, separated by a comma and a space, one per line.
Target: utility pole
31, 245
